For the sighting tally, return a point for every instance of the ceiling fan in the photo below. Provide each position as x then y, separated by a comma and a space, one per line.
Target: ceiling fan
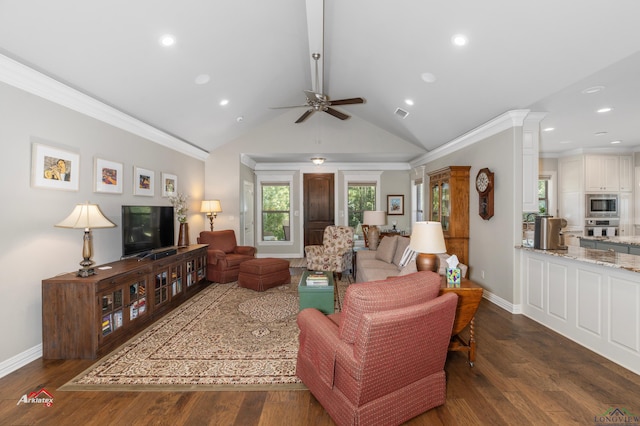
317, 101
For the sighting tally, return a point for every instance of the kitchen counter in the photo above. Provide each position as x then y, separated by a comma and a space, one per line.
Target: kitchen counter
633, 241
627, 245
607, 258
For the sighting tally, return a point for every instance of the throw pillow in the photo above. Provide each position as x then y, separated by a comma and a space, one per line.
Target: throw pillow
401, 246
387, 248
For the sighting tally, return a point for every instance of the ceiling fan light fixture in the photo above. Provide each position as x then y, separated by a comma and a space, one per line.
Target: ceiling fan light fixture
317, 160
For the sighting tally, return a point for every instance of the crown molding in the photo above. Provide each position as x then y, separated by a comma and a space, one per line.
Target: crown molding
509, 119
22, 77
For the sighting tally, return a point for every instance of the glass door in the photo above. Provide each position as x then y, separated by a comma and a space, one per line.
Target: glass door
435, 203
445, 211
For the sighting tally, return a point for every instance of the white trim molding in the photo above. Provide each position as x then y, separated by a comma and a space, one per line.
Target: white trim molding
18, 361
492, 127
22, 77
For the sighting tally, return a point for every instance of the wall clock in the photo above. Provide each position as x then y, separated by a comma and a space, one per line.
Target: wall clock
484, 186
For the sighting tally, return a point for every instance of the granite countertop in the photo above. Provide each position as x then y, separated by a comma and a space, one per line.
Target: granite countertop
633, 241
611, 259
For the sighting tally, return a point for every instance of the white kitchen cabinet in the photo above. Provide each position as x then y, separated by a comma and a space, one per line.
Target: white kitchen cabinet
602, 173
626, 173
626, 214
570, 174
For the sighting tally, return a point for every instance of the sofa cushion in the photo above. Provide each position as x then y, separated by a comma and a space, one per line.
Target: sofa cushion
387, 249
401, 246
384, 295
409, 268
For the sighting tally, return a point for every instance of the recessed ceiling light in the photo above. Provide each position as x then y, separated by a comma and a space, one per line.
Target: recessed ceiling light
408, 101
600, 133
427, 77
202, 79
593, 89
224, 102
605, 109
549, 129
459, 40
615, 142
167, 40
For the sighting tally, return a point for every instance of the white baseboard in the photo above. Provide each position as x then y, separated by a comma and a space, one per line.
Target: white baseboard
499, 301
20, 360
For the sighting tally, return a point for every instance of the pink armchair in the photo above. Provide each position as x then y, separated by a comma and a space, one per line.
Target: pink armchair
335, 252
224, 256
380, 361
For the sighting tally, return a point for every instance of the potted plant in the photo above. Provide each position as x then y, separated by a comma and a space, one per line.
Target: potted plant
180, 204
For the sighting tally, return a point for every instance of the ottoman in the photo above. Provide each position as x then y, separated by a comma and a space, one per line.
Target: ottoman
262, 274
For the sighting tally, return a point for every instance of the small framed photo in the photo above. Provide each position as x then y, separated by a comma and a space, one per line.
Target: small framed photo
395, 204
54, 168
143, 181
169, 185
107, 176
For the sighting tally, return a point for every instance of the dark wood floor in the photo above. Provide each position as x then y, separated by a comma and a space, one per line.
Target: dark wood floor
524, 374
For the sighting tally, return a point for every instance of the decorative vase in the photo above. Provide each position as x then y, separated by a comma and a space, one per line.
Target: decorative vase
183, 236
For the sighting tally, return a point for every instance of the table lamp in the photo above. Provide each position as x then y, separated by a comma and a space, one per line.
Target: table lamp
211, 208
87, 216
373, 218
427, 239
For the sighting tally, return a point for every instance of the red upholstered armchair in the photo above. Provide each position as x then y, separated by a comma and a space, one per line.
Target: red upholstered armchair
381, 360
224, 256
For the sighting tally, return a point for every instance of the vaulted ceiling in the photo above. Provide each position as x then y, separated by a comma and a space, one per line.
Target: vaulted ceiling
539, 55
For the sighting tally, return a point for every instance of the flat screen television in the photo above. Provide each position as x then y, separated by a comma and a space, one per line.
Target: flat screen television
146, 228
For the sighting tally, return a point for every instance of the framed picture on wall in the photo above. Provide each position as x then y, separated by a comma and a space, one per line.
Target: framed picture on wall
395, 204
107, 176
54, 168
169, 185
143, 181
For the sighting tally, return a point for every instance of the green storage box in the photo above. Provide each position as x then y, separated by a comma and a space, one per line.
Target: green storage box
319, 297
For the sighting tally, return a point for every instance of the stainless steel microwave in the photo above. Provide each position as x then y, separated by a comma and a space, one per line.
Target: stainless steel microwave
602, 205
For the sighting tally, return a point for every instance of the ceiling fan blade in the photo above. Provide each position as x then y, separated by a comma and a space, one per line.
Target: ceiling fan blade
305, 115
291, 106
337, 114
347, 101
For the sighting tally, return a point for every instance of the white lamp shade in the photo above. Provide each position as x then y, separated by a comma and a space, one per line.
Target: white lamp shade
210, 206
374, 217
86, 216
427, 237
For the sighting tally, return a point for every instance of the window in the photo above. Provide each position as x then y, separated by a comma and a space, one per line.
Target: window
360, 197
276, 210
419, 188
543, 195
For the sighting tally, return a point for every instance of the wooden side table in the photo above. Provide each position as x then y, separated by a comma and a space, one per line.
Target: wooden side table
469, 297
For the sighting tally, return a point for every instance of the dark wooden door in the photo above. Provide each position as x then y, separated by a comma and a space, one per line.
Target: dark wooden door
318, 206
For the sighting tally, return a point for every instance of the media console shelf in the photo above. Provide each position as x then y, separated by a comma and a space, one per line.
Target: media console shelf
88, 317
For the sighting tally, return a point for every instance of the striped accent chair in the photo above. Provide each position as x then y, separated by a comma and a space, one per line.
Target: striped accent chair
381, 360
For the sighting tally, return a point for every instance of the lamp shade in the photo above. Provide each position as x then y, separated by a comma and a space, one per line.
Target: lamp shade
427, 237
87, 216
374, 217
210, 206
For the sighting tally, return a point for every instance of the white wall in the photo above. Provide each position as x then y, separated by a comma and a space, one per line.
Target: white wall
491, 242
31, 248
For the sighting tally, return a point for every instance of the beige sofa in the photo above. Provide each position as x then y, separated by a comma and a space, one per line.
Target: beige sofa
373, 265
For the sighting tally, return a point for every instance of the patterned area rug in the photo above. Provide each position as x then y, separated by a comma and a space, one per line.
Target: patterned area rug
224, 338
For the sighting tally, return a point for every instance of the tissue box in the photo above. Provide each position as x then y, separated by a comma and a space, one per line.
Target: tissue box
453, 276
